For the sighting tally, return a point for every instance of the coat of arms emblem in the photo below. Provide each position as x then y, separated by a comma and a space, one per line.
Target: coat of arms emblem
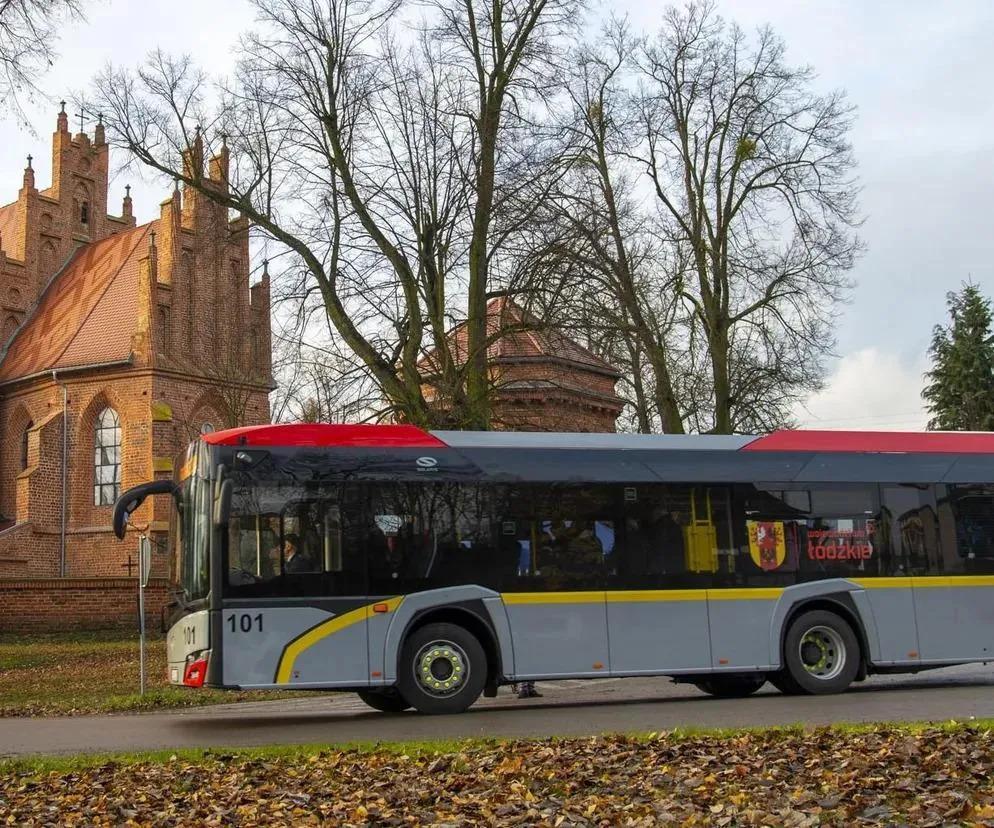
767, 546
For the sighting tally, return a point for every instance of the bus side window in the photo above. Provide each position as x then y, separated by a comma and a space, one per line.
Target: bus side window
841, 536
555, 536
966, 527
407, 527
909, 530
675, 536
770, 520
251, 541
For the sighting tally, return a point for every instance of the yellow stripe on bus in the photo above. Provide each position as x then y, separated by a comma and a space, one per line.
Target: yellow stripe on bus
881, 583
749, 594
735, 594
643, 595
626, 596
926, 581
552, 597
315, 634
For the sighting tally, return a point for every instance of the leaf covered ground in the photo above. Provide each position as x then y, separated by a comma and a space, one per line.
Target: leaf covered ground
61, 674
876, 776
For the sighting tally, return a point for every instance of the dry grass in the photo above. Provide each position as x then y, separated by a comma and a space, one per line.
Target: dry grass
66, 674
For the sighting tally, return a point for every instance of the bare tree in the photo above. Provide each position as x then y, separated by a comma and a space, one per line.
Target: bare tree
753, 176
387, 165
322, 384
627, 288
29, 30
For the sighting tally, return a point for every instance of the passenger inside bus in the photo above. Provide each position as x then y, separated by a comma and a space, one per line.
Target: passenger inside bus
664, 540
296, 559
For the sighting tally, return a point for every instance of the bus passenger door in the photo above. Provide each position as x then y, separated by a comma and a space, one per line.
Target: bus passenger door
954, 601
554, 542
657, 605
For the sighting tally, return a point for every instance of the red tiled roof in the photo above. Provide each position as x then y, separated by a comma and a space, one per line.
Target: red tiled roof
8, 225
88, 312
524, 338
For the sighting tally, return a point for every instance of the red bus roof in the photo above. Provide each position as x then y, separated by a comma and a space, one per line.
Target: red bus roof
904, 442
325, 434
401, 436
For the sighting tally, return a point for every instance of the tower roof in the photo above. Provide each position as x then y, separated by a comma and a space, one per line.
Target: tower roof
517, 335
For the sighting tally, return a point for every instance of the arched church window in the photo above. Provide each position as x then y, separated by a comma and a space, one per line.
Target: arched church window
84, 213
24, 445
107, 461
9, 326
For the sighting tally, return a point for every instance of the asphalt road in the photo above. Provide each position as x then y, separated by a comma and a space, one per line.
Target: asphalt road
568, 708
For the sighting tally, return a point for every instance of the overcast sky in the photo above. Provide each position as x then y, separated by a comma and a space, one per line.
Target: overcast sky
915, 69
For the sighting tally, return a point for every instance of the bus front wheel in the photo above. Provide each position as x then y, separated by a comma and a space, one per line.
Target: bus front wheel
387, 700
821, 653
443, 669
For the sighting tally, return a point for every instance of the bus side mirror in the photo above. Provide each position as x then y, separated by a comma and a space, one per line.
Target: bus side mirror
135, 497
222, 505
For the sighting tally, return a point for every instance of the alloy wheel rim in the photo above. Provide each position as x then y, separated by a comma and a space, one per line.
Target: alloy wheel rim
822, 653
441, 668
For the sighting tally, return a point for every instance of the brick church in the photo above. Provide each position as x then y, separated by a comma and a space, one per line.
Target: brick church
118, 344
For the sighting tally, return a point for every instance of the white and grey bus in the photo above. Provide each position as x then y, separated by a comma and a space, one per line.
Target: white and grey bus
421, 569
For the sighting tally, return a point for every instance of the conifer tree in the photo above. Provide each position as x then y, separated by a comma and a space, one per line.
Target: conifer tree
960, 390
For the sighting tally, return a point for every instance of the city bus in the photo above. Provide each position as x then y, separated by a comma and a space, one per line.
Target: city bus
423, 569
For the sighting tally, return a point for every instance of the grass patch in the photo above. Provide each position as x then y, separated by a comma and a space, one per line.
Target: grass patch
65, 674
870, 775
432, 748
41, 765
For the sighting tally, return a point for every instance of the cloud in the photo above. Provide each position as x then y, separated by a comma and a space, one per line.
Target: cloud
869, 390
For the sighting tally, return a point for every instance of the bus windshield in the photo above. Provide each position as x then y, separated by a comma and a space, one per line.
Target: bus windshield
191, 531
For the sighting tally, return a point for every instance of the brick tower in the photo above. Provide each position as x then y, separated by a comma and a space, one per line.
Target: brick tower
541, 379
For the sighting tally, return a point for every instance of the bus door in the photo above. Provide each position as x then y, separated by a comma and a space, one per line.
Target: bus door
954, 598
657, 604
294, 608
557, 542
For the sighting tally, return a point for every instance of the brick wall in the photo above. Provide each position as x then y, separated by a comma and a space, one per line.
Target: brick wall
551, 395
149, 439
65, 605
25, 553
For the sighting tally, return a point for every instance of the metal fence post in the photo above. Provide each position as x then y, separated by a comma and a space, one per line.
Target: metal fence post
144, 565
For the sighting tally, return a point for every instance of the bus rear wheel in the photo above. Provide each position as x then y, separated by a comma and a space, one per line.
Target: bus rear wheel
821, 653
443, 669
387, 700
730, 687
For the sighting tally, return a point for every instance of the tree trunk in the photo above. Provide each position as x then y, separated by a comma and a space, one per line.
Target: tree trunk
666, 401
718, 342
